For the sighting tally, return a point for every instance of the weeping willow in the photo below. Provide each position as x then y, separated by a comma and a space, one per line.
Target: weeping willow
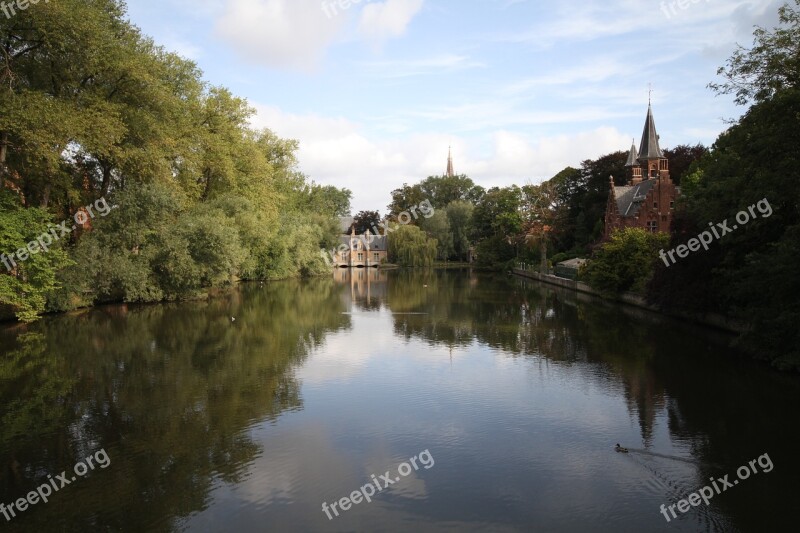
409, 246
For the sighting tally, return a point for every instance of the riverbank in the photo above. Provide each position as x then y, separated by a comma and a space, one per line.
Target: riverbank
707, 319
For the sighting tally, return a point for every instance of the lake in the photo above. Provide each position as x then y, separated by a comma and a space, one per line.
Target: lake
249, 411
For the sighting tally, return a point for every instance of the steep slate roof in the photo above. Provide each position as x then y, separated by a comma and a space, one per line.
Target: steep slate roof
378, 243
345, 223
630, 199
633, 157
649, 148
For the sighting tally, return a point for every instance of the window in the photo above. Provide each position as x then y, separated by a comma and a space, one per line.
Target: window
671, 205
655, 205
360, 257
376, 257
652, 226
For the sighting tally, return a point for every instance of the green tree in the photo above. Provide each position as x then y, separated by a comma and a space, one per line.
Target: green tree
625, 262
771, 66
438, 227
409, 246
497, 226
24, 285
459, 217
749, 273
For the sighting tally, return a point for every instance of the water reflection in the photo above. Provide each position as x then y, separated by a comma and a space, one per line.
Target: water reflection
247, 411
168, 390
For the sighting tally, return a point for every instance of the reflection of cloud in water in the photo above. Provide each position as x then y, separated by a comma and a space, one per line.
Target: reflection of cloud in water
344, 354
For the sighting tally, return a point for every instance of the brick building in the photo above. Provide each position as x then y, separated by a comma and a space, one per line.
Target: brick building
648, 198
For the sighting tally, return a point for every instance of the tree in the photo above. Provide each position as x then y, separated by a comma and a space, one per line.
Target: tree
539, 214
404, 198
682, 158
749, 274
329, 200
409, 246
24, 285
441, 191
497, 226
366, 222
459, 217
438, 227
625, 262
771, 66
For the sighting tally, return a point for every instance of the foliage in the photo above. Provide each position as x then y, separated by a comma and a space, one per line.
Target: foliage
459, 218
90, 108
441, 191
749, 273
682, 160
23, 289
626, 262
771, 66
409, 246
438, 227
365, 221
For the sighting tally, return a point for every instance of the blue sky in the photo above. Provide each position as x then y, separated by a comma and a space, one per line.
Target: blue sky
376, 92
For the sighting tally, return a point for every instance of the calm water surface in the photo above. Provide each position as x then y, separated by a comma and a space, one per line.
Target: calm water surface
519, 392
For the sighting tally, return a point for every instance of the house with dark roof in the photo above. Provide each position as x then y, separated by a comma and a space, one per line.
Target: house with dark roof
648, 198
356, 251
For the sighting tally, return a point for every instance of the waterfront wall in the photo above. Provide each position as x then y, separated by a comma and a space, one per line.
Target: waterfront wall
707, 319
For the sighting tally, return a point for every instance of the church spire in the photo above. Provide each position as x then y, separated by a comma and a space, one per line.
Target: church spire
649, 148
633, 156
450, 172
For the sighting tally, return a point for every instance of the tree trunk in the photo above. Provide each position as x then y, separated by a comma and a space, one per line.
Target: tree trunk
544, 269
46, 196
3, 154
106, 180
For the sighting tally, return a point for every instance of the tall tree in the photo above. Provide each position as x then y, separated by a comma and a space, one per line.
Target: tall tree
366, 222
459, 217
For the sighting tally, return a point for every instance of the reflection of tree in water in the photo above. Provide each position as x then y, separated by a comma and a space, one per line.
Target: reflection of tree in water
717, 404
443, 298
531, 319
170, 392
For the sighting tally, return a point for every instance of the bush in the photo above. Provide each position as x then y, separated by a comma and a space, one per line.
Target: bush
626, 262
24, 287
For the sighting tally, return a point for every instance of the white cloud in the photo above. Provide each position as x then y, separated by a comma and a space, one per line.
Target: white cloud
339, 152
283, 33
387, 19
296, 33
440, 64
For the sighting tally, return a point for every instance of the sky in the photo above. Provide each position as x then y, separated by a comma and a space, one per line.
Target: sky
376, 91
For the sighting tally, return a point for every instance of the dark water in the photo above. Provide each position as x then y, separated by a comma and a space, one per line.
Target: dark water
518, 392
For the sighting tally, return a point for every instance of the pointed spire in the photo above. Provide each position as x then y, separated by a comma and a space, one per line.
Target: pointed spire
633, 156
450, 172
649, 149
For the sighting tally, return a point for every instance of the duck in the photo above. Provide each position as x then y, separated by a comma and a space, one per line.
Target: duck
620, 449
